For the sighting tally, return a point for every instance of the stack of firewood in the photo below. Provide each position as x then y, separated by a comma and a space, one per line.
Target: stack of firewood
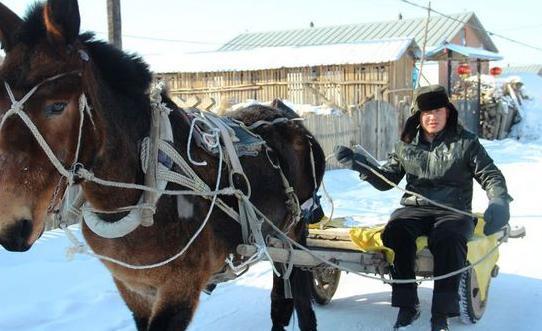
500, 103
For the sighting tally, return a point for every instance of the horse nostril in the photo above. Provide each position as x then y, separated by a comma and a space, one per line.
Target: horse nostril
25, 228
16, 236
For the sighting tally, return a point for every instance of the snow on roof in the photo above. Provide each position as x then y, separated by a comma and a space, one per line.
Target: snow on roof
441, 29
367, 52
461, 53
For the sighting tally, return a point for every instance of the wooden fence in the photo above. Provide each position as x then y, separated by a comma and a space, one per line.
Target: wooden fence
375, 126
338, 85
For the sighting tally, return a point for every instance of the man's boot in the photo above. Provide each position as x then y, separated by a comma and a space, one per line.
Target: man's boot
439, 322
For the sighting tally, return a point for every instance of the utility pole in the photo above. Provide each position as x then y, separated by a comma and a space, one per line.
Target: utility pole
114, 25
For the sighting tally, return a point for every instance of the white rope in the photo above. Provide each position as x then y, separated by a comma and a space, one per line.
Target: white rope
81, 248
83, 107
189, 143
389, 182
194, 182
329, 199
402, 281
87, 175
17, 109
256, 257
385, 280
312, 163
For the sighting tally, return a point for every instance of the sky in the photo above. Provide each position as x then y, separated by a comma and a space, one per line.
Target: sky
192, 26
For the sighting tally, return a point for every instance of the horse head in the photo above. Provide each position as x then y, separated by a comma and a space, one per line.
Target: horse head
47, 75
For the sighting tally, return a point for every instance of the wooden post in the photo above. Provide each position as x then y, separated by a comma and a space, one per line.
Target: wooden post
114, 23
478, 97
449, 73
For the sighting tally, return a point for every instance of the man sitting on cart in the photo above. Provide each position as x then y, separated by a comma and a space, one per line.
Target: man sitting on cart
440, 159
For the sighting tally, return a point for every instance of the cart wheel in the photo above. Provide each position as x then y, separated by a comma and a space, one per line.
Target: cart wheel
324, 284
471, 305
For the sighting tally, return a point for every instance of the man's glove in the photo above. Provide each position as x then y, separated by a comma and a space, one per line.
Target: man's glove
344, 155
496, 215
349, 159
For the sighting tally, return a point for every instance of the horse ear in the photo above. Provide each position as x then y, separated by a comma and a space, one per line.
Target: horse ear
9, 24
62, 20
280, 105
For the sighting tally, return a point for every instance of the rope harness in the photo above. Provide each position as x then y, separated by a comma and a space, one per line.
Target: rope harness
157, 175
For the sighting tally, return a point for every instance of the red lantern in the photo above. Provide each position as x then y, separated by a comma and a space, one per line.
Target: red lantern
463, 69
495, 71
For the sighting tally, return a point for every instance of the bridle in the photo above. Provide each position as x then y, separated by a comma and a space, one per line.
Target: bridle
68, 175
17, 108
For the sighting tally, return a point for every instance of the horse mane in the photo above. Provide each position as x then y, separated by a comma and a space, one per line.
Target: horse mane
125, 73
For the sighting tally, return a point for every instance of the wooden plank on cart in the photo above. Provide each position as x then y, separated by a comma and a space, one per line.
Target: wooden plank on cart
356, 261
342, 234
333, 244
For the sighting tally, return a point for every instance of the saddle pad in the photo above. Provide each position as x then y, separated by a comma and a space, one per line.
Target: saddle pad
244, 141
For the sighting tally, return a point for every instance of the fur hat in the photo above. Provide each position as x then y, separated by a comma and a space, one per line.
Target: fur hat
428, 98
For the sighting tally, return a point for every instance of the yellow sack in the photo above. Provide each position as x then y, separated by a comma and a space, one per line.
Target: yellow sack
369, 239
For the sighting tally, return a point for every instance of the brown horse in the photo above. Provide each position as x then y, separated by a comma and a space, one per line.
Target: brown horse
46, 49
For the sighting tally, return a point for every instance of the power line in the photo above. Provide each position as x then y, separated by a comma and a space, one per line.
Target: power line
522, 27
473, 26
184, 41
167, 40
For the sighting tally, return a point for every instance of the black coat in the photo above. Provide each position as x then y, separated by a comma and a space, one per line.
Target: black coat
442, 170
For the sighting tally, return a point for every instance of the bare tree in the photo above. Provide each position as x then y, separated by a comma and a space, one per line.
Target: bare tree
114, 24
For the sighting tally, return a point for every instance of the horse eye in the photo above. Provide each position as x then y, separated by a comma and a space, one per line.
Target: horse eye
55, 108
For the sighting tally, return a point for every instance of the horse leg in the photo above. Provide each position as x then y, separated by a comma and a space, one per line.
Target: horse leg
139, 306
301, 291
301, 281
174, 309
281, 308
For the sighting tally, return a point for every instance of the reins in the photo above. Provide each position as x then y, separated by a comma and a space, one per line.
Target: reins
254, 218
247, 216
414, 280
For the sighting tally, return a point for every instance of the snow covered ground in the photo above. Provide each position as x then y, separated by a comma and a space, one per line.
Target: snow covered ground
40, 290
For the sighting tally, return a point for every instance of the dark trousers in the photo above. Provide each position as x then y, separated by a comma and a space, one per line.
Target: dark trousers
448, 244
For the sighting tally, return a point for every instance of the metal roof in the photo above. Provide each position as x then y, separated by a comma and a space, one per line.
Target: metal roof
532, 68
441, 29
366, 52
461, 53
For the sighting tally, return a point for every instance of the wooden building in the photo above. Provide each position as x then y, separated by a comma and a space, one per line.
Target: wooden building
341, 75
341, 65
463, 29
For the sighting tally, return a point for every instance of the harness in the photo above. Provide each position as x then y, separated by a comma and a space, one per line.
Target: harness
245, 142
158, 157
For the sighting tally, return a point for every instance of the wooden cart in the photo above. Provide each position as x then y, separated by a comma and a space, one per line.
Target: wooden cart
335, 245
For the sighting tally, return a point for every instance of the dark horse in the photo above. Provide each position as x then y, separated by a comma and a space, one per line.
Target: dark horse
47, 43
